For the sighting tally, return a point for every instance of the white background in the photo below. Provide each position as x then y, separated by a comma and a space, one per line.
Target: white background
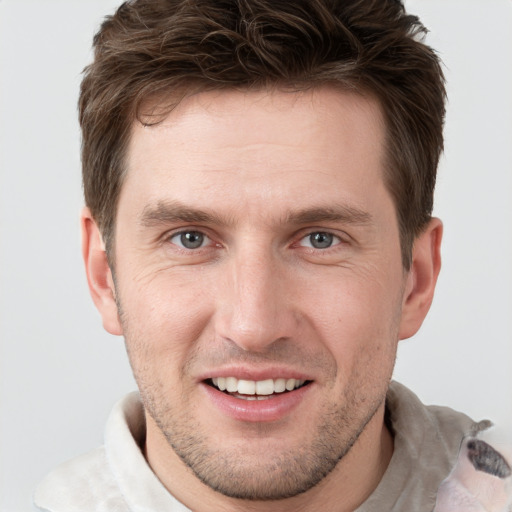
60, 373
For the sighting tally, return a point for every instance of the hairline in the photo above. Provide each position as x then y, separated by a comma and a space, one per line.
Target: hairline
162, 104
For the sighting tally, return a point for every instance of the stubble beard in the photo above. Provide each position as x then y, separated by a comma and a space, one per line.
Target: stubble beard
274, 475
288, 473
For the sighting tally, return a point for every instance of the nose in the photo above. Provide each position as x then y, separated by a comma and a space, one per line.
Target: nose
256, 307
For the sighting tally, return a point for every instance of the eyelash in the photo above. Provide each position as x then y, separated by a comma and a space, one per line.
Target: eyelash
336, 240
182, 233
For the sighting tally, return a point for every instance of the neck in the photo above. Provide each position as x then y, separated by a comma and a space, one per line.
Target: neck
351, 482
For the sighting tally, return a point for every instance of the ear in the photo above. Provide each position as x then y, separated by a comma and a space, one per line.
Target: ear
421, 279
99, 275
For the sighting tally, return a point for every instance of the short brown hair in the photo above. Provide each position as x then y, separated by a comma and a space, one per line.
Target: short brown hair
174, 48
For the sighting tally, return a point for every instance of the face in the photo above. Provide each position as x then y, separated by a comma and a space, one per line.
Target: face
259, 284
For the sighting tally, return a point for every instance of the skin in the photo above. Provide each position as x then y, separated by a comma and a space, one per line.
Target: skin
258, 174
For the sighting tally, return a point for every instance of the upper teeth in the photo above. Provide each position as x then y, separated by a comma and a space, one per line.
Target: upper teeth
256, 387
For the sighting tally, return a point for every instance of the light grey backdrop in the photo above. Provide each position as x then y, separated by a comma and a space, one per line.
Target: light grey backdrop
60, 373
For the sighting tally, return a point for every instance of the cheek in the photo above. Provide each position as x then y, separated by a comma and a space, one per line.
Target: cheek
356, 302
162, 319
358, 320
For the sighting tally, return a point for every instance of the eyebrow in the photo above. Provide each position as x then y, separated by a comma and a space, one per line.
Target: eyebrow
337, 213
171, 212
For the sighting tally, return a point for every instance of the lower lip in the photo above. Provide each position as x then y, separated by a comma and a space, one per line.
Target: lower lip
275, 408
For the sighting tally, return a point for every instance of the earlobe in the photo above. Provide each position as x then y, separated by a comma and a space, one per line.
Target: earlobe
421, 279
99, 275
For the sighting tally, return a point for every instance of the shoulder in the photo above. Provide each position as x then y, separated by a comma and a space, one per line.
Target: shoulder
90, 482
445, 456
113, 478
426, 443
481, 479
83, 483
445, 426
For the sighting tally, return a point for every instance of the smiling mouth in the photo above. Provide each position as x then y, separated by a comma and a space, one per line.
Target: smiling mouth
255, 390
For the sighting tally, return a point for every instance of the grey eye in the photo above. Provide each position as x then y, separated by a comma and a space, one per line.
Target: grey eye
320, 240
190, 239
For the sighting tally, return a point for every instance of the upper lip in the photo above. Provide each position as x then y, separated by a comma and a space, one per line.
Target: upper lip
256, 374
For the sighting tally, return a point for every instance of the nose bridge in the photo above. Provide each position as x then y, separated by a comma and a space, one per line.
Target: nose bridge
256, 312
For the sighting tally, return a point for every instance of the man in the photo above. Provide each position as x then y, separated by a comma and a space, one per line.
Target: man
259, 182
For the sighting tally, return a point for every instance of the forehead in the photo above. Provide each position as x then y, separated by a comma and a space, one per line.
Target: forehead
265, 145
264, 113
